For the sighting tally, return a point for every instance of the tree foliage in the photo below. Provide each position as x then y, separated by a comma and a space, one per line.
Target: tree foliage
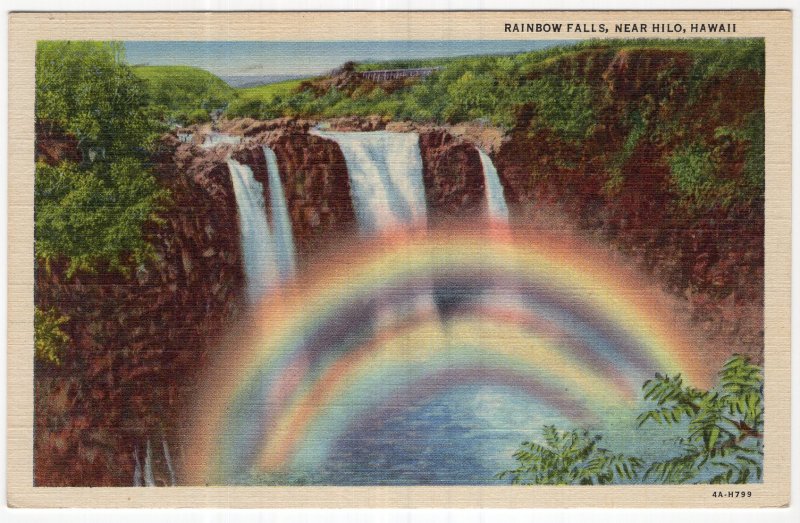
87, 90
188, 94
93, 212
722, 443
94, 216
570, 458
50, 339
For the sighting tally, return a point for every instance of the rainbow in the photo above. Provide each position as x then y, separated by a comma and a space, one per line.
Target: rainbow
403, 320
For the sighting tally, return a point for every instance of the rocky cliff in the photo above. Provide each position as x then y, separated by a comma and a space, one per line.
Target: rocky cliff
315, 183
138, 342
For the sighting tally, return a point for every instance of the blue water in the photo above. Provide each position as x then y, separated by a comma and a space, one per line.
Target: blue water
463, 437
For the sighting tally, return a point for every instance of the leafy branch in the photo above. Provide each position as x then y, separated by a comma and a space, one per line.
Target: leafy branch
723, 442
725, 425
569, 458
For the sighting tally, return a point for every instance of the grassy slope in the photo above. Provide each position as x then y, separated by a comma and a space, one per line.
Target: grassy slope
487, 87
269, 91
735, 51
188, 93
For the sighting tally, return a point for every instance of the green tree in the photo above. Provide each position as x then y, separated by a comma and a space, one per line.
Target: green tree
94, 217
92, 214
471, 96
724, 436
188, 93
565, 107
86, 90
569, 458
723, 440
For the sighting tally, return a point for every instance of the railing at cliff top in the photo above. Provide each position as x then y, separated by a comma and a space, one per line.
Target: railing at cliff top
391, 74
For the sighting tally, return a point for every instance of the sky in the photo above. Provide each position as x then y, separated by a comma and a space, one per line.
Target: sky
307, 58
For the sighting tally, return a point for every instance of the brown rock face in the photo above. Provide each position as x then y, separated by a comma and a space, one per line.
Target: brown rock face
711, 257
315, 184
453, 177
137, 342
53, 146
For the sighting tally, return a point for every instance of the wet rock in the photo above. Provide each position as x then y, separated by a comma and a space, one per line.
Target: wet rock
453, 177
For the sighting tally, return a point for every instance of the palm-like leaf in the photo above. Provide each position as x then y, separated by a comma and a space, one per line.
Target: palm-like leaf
569, 458
719, 422
722, 443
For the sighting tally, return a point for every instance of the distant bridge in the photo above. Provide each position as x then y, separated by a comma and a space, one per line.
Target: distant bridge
391, 74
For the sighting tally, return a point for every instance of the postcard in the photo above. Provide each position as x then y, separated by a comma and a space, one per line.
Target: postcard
399, 259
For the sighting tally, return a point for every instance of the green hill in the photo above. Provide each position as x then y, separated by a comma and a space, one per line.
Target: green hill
496, 87
594, 105
263, 101
187, 94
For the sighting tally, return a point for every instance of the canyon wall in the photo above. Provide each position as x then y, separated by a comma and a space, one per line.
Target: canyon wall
138, 342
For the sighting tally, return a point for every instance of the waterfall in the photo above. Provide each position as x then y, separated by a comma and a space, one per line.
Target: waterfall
281, 222
260, 264
268, 251
495, 200
385, 171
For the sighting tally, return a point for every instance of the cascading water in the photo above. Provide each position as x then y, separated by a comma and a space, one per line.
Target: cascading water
281, 222
385, 172
260, 264
495, 200
269, 255
430, 359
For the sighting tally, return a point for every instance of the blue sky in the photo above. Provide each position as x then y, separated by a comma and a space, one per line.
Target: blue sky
307, 58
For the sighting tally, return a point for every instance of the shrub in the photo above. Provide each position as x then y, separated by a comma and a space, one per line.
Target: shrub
93, 214
569, 458
564, 107
693, 175
50, 339
94, 217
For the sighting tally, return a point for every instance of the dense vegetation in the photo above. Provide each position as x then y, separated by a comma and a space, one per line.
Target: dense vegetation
667, 137
488, 87
185, 95
570, 458
91, 213
561, 92
722, 440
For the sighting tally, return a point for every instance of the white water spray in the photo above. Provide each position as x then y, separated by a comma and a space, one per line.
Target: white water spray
495, 200
260, 264
385, 171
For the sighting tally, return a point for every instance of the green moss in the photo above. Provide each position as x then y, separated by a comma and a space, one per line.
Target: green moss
693, 175
638, 130
752, 135
50, 339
